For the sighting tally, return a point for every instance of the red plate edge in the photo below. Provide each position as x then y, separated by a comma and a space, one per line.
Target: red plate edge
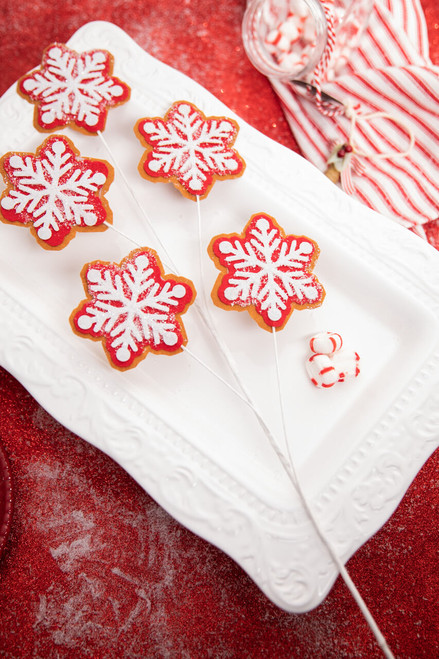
6, 498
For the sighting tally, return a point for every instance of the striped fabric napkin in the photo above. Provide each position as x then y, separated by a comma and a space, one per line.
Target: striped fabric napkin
389, 89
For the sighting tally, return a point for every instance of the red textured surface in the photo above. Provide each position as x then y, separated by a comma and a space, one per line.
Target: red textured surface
93, 567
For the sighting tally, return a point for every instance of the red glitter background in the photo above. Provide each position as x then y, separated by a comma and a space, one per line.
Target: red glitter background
93, 567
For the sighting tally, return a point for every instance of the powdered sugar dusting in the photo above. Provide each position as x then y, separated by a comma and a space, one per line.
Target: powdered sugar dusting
189, 149
112, 568
55, 191
73, 88
96, 586
132, 308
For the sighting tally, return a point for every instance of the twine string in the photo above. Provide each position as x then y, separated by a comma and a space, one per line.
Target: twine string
356, 118
319, 75
355, 157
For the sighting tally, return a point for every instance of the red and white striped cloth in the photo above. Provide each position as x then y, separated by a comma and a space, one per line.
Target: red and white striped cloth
389, 73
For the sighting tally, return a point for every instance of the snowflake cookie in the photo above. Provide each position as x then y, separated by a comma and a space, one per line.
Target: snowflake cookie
266, 272
73, 89
55, 191
133, 308
189, 149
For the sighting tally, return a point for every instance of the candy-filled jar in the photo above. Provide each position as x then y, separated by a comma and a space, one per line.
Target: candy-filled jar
290, 39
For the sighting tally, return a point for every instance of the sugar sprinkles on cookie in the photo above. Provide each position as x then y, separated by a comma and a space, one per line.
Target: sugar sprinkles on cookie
73, 89
189, 149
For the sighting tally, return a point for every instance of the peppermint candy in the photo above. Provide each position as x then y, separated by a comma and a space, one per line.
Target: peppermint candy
330, 364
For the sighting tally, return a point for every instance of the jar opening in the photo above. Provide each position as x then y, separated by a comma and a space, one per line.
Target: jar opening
284, 39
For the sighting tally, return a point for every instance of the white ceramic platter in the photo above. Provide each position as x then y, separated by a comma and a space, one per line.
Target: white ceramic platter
184, 436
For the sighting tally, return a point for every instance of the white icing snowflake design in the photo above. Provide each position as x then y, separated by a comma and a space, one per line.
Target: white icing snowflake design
266, 272
55, 191
73, 88
189, 149
133, 308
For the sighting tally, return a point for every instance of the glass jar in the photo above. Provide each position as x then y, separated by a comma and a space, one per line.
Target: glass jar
286, 39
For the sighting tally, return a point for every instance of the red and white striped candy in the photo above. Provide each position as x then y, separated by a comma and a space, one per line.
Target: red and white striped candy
289, 36
329, 364
347, 363
326, 343
321, 370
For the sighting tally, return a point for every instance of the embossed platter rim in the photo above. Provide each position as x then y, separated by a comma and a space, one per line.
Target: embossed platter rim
212, 489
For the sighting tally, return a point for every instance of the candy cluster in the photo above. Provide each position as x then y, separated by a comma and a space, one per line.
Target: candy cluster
330, 364
291, 36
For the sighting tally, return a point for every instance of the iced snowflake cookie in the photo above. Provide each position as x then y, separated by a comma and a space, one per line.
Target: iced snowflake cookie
73, 89
189, 149
266, 272
133, 308
55, 191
